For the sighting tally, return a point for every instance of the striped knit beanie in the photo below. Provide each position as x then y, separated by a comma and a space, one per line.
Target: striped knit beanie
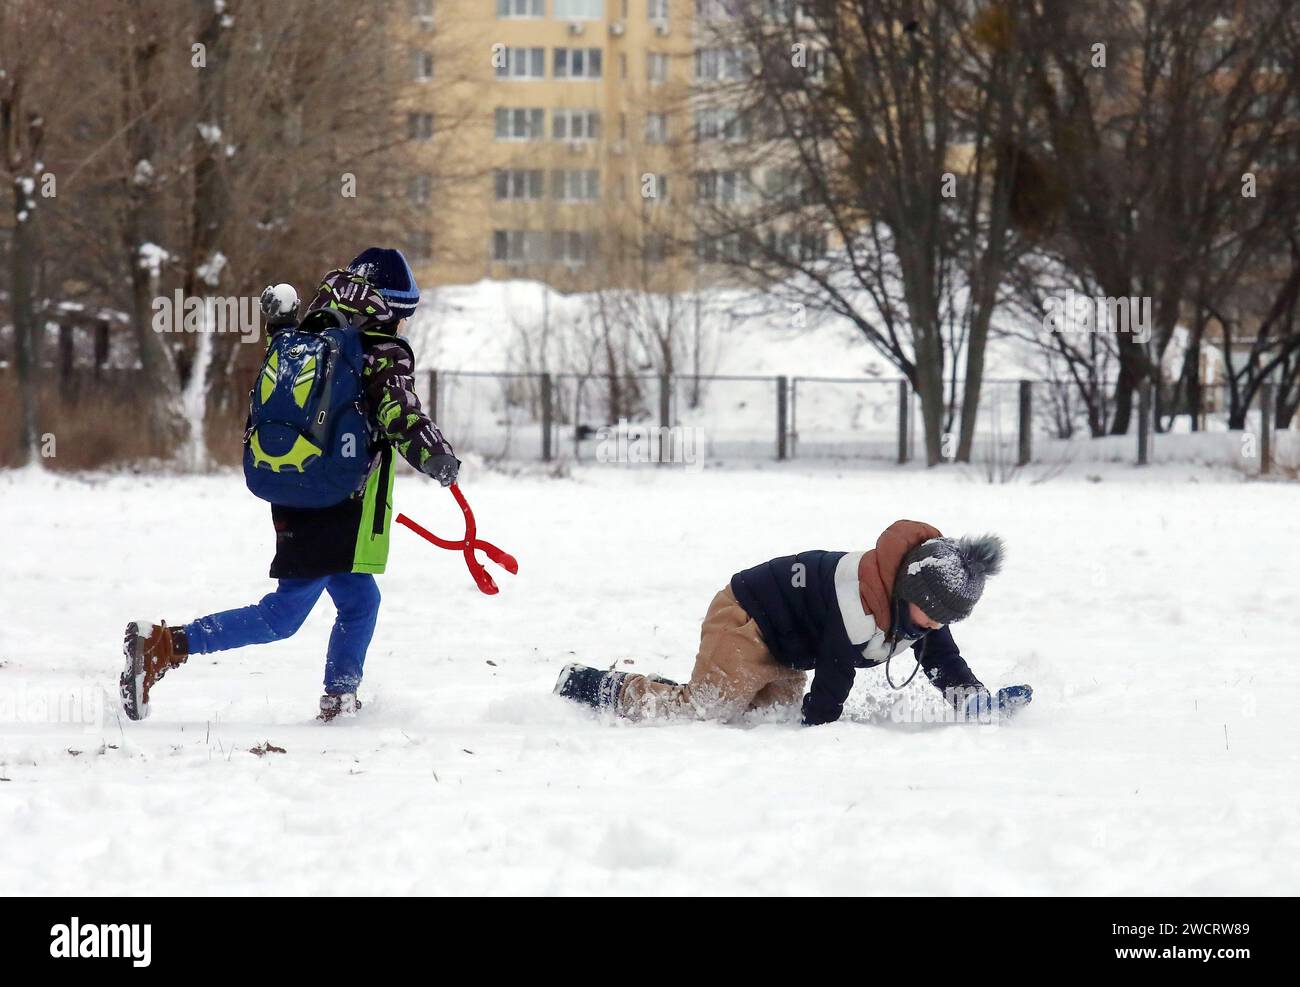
386, 268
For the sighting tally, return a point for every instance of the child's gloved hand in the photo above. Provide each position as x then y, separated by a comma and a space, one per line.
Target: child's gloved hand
443, 467
1000, 705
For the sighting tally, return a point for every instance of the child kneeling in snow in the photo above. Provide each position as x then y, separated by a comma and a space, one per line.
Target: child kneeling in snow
826, 612
336, 549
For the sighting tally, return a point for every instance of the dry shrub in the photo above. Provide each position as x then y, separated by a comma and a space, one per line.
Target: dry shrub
224, 433
95, 422
10, 422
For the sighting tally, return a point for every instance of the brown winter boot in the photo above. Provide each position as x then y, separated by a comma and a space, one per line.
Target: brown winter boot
150, 650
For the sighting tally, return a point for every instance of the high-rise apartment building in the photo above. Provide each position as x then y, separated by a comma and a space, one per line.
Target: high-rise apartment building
558, 140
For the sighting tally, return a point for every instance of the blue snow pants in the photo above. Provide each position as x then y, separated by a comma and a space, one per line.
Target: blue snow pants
281, 613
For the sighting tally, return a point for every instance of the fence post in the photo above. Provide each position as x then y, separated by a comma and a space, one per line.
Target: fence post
1265, 428
665, 417
433, 395
1144, 423
101, 346
546, 418
1026, 423
903, 400
794, 417
782, 388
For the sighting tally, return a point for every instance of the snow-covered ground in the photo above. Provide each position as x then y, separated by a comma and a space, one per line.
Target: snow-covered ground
1155, 617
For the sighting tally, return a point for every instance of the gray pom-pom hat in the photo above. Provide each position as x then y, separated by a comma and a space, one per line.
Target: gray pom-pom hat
945, 576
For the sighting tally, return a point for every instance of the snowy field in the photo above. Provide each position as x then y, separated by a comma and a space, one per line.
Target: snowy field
1154, 613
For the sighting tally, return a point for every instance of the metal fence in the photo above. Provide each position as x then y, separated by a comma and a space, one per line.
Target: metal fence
576, 418
851, 418
517, 417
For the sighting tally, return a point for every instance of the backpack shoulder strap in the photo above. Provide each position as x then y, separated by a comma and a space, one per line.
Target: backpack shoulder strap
318, 320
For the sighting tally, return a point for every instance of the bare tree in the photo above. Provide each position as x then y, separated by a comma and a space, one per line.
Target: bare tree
1150, 115
29, 91
209, 148
887, 156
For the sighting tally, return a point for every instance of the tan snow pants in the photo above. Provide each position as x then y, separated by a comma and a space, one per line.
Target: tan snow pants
734, 672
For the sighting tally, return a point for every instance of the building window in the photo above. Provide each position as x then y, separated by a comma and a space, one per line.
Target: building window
719, 64
519, 184
721, 124
521, 8
797, 245
721, 187
422, 14
422, 65
656, 128
785, 10
519, 123
574, 10
654, 188
419, 190
518, 246
805, 126
522, 63
657, 10
419, 126
818, 59
582, 185
575, 125
787, 185
572, 247
656, 67
577, 63
721, 249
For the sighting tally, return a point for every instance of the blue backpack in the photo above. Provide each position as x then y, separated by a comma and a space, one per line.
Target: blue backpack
307, 443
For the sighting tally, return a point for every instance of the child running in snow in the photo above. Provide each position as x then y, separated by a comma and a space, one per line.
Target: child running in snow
830, 613
336, 549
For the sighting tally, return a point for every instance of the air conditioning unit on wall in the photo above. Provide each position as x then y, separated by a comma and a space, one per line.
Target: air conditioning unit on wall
577, 27
661, 28
617, 29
